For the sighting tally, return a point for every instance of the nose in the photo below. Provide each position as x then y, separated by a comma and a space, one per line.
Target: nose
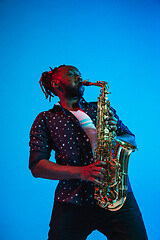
78, 77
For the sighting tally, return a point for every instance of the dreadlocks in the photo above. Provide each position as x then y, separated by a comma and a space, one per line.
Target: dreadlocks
46, 82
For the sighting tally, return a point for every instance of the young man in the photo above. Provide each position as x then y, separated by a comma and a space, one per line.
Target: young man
69, 129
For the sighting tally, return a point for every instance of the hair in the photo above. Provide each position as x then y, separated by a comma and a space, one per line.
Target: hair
46, 82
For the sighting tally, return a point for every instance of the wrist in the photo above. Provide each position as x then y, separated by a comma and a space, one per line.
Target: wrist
77, 172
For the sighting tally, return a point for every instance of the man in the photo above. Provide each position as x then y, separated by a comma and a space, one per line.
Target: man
69, 129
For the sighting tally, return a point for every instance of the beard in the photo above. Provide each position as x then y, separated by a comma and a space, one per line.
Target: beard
74, 92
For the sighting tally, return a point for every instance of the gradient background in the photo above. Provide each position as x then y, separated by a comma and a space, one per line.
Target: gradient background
116, 41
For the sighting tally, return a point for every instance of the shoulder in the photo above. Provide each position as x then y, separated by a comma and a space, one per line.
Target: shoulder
93, 105
42, 115
42, 118
48, 113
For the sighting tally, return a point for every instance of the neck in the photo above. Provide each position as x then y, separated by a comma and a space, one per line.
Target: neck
70, 104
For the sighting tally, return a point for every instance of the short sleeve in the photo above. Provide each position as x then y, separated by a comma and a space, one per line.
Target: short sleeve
121, 128
39, 141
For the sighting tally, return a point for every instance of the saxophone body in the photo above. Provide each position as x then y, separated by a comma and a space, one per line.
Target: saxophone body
114, 152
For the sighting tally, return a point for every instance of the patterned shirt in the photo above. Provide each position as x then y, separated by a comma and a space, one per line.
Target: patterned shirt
59, 130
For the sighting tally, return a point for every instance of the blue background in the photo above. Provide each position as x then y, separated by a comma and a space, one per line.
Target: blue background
115, 41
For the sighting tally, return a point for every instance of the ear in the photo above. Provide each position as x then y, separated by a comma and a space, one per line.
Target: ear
56, 85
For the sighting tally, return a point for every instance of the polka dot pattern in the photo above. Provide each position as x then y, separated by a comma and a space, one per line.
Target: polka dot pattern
59, 130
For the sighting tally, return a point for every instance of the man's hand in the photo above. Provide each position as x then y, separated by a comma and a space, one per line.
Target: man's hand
111, 122
94, 172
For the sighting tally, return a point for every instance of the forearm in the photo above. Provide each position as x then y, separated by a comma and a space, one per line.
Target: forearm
50, 170
54, 171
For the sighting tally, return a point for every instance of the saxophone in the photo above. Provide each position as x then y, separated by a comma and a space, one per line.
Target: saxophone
113, 151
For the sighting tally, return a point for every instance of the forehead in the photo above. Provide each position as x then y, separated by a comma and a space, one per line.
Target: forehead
67, 69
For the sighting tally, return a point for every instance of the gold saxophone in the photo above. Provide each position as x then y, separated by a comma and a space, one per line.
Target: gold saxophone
113, 194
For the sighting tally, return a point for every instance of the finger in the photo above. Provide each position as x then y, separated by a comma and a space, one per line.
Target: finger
110, 113
102, 177
100, 170
112, 128
103, 171
98, 182
99, 176
113, 119
111, 123
101, 164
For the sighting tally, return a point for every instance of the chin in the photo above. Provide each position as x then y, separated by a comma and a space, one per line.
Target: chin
81, 91
80, 94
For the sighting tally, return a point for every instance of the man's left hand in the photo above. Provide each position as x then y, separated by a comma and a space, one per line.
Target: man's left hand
111, 122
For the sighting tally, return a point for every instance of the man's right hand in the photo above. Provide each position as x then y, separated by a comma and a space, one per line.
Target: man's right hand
94, 172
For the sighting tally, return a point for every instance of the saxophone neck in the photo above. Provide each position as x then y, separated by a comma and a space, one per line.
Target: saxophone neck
103, 84
98, 83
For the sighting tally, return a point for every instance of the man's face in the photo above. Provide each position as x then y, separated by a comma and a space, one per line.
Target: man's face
71, 82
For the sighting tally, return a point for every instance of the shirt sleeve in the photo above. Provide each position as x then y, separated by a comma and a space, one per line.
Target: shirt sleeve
121, 128
39, 141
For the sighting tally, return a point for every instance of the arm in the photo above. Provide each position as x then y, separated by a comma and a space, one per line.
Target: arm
123, 132
40, 166
128, 138
50, 170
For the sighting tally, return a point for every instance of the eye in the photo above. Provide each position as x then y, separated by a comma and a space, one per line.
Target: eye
70, 73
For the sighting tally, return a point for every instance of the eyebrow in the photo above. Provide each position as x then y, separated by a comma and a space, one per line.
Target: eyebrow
74, 70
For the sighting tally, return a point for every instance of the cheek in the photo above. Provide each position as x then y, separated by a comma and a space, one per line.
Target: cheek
72, 84
65, 83
69, 82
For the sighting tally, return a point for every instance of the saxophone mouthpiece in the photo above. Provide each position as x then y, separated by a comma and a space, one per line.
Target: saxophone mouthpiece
86, 82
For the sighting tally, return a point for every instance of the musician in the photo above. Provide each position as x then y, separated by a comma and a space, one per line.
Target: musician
69, 128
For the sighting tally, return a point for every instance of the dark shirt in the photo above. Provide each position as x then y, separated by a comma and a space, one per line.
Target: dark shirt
59, 130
